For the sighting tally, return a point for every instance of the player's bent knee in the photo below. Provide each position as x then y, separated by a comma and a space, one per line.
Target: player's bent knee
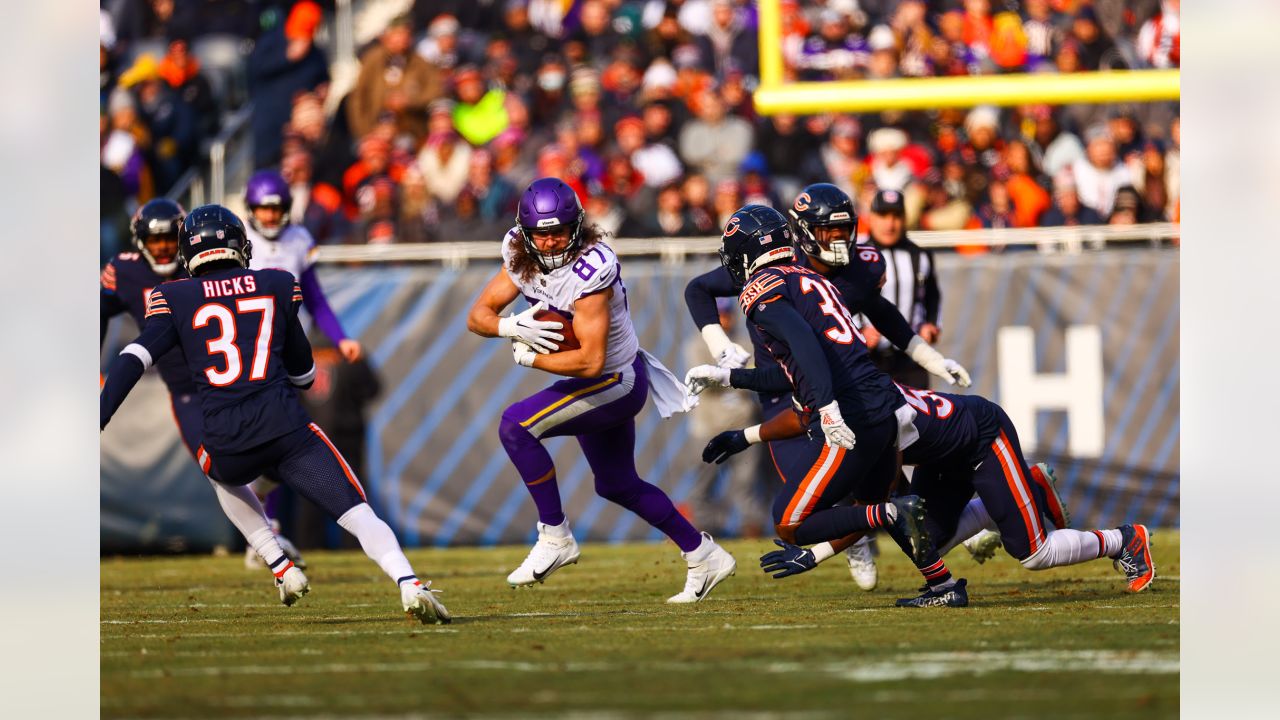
512, 433
787, 532
1041, 559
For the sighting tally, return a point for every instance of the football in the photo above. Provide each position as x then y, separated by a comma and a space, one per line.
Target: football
570, 341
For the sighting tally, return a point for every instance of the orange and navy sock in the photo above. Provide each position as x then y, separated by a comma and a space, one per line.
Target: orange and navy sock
881, 515
280, 565
936, 574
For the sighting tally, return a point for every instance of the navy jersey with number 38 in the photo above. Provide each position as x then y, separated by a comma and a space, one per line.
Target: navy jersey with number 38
866, 395
245, 349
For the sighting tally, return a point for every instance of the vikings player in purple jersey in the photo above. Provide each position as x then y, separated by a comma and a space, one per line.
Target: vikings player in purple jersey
823, 223
126, 283
553, 261
855, 410
279, 244
238, 334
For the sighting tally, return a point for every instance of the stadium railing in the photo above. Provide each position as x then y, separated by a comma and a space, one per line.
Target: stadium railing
232, 149
1049, 240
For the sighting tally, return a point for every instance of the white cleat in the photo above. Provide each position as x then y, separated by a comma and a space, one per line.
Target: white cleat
703, 576
862, 563
555, 549
983, 546
292, 585
420, 603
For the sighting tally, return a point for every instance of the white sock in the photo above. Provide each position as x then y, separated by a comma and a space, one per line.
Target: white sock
556, 531
377, 540
701, 552
244, 511
1112, 542
1066, 547
973, 520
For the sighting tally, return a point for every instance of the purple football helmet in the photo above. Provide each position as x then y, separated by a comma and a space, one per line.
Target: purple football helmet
267, 189
546, 204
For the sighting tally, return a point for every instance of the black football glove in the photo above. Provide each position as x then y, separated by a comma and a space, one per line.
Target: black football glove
724, 445
790, 560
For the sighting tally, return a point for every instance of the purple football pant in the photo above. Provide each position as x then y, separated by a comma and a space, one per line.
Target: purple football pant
600, 413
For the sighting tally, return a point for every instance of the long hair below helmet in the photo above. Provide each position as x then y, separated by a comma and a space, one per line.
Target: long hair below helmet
549, 204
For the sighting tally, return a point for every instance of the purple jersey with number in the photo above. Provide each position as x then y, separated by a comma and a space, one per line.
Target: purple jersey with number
238, 331
595, 270
866, 395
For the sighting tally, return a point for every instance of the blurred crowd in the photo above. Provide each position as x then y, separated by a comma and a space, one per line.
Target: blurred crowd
644, 107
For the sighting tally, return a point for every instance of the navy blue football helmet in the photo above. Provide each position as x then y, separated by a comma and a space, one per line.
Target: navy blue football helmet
824, 205
212, 234
157, 218
755, 236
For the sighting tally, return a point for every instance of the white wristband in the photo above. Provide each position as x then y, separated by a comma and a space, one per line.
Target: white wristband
716, 339
922, 352
753, 434
822, 551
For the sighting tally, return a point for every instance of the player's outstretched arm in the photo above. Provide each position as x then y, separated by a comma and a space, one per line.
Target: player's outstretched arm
313, 298
591, 325
700, 297
731, 442
158, 337
888, 321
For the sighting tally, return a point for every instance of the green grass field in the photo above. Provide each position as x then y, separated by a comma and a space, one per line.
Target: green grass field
202, 637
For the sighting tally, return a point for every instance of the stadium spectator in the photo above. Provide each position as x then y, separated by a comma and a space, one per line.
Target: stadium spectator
656, 162
728, 42
125, 140
284, 61
890, 169
374, 162
1096, 51
1052, 147
790, 153
1030, 199
727, 200
696, 192
316, 206
1043, 30
1067, 208
998, 211
481, 112
171, 122
1127, 209
1160, 39
394, 79
841, 159
444, 158
714, 143
182, 72
1100, 173
494, 198
440, 46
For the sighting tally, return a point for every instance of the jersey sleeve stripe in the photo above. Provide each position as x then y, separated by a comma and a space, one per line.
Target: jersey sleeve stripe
139, 352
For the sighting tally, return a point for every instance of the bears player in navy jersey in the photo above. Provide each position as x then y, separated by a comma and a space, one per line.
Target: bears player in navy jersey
238, 333
961, 445
823, 223
281, 245
854, 410
127, 280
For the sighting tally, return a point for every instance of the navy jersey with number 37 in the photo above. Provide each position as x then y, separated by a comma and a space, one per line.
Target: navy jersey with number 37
245, 349
866, 395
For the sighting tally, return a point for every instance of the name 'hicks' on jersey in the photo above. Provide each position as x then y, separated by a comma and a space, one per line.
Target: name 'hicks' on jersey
866, 395
243, 346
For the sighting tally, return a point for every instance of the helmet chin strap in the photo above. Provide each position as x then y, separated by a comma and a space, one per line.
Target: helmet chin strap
837, 255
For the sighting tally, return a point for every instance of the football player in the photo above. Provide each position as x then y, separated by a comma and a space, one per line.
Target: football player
281, 245
961, 445
126, 283
823, 222
555, 262
853, 409
237, 331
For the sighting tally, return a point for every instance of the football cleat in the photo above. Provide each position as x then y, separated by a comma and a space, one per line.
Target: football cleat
1056, 513
983, 546
704, 576
292, 586
954, 596
550, 553
1135, 557
420, 602
862, 563
910, 522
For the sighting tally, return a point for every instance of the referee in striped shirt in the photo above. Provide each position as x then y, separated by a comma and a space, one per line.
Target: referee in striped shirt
910, 284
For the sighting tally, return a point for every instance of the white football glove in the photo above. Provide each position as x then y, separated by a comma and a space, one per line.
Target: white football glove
958, 372
837, 434
705, 376
540, 335
930, 359
728, 354
522, 353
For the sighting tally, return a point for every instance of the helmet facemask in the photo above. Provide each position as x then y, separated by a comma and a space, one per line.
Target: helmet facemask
838, 252
270, 233
162, 269
552, 261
